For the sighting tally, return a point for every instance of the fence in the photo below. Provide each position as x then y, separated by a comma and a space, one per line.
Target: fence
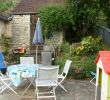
104, 32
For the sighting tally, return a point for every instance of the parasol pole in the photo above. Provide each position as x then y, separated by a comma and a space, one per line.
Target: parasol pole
36, 53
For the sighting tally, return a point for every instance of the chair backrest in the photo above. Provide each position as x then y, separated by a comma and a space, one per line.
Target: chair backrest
47, 73
66, 67
26, 60
46, 58
2, 65
93, 73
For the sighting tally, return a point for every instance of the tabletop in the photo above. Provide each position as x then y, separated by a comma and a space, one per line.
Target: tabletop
15, 72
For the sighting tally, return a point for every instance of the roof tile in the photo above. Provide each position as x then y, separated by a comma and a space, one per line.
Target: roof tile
31, 6
105, 58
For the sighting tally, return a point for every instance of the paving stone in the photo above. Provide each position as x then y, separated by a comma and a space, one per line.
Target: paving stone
77, 90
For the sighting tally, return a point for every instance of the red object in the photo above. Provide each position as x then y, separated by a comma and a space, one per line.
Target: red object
105, 58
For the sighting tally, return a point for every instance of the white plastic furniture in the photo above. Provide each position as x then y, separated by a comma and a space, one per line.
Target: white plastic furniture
93, 79
5, 83
63, 75
46, 77
26, 60
46, 58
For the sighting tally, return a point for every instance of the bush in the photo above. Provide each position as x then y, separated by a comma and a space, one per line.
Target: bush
54, 18
64, 55
90, 45
5, 42
83, 59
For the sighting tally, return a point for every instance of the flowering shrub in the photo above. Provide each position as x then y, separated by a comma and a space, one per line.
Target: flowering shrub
89, 45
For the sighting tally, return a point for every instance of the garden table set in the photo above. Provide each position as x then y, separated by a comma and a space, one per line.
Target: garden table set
17, 73
38, 75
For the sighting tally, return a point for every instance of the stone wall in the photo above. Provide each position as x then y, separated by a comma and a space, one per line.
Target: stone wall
21, 31
5, 28
2, 27
8, 28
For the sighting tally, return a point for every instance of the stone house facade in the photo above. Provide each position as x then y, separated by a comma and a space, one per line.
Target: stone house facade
21, 30
24, 21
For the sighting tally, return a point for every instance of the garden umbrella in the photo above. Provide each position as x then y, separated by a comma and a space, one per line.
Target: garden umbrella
38, 38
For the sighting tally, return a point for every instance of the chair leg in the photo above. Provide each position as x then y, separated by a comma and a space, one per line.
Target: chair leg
37, 93
59, 84
54, 92
7, 86
43, 94
63, 87
91, 81
27, 88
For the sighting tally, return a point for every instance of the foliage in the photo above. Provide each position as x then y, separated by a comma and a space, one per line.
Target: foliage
65, 47
105, 7
7, 4
83, 65
76, 18
89, 45
82, 59
85, 15
64, 55
54, 18
5, 42
101, 20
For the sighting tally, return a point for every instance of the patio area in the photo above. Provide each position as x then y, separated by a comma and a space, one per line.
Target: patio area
78, 90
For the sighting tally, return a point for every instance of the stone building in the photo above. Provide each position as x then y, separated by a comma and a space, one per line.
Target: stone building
24, 20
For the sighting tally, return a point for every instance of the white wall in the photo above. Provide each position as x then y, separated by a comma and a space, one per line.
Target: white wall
104, 86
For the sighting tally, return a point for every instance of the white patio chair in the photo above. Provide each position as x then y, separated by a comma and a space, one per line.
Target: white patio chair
46, 58
92, 81
63, 75
26, 60
5, 83
46, 77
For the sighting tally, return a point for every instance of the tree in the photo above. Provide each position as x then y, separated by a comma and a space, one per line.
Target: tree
54, 18
105, 6
84, 14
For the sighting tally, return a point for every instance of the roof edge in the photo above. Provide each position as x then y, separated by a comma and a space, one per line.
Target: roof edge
24, 13
6, 18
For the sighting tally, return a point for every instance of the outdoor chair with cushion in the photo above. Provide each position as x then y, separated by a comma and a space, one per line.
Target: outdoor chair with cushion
5, 82
46, 82
62, 76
